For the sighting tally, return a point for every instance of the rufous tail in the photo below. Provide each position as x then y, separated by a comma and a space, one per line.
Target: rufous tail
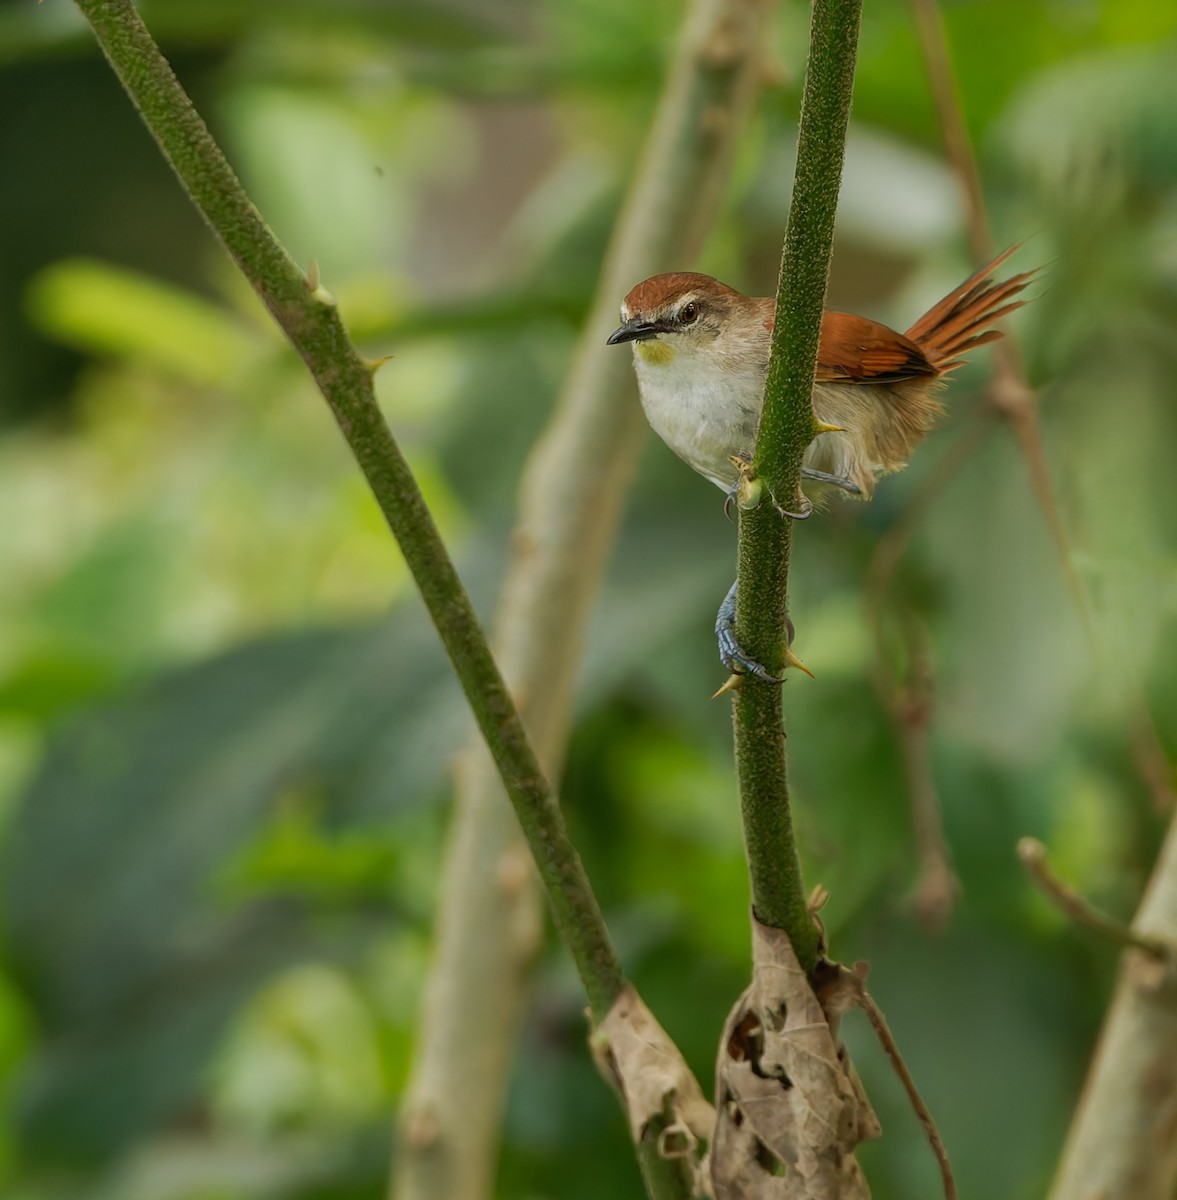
964, 318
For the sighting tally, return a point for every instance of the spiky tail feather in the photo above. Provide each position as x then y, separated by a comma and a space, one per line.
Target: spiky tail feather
964, 318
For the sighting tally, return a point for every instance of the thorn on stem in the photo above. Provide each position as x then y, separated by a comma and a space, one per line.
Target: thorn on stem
374, 364
314, 284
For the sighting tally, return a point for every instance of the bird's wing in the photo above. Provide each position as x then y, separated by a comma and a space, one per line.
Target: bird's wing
857, 350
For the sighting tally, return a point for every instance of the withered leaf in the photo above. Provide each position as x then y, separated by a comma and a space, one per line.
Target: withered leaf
791, 1110
637, 1056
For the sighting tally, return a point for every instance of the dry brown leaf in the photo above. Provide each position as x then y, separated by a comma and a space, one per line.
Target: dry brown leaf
791, 1110
637, 1056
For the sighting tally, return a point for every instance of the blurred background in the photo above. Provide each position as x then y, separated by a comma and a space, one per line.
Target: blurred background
226, 728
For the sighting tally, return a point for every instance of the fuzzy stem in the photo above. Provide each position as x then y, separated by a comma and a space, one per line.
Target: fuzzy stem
786, 429
313, 325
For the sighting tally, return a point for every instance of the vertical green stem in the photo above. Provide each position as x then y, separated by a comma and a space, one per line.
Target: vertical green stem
786, 429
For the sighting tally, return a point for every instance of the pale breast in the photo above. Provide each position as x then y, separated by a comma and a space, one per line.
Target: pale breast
703, 416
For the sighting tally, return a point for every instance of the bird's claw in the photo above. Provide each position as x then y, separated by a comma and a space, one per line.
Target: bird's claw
804, 507
803, 502
744, 494
737, 662
731, 653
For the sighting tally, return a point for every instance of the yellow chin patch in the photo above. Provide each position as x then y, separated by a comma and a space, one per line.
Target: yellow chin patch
656, 352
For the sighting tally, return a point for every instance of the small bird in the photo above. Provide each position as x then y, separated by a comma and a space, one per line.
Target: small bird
700, 351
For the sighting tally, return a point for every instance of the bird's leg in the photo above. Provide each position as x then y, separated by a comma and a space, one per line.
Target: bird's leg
731, 654
748, 491
838, 481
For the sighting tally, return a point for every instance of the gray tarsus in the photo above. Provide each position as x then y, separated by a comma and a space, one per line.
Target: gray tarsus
838, 481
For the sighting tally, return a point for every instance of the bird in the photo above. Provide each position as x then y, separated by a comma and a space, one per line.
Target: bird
700, 353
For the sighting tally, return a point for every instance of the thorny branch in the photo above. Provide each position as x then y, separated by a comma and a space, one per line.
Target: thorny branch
787, 426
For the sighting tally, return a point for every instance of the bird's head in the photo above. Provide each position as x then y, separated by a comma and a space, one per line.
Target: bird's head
678, 313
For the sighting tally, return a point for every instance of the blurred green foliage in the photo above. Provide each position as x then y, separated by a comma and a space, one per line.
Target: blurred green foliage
225, 727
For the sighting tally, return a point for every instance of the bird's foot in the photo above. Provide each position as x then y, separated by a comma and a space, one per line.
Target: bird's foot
748, 490
737, 662
803, 507
731, 653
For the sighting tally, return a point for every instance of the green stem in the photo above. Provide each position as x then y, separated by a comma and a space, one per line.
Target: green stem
313, 325
786, 429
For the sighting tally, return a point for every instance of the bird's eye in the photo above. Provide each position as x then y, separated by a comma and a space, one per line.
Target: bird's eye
689, 313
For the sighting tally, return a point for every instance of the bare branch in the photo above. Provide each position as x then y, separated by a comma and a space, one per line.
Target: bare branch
1121, 1141
1034, 858
887, 1041
570, 500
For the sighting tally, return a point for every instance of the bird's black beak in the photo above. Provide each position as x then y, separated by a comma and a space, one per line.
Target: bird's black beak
634, 330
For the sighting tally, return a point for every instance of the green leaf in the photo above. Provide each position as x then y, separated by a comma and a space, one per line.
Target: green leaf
129, 946
106, 309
